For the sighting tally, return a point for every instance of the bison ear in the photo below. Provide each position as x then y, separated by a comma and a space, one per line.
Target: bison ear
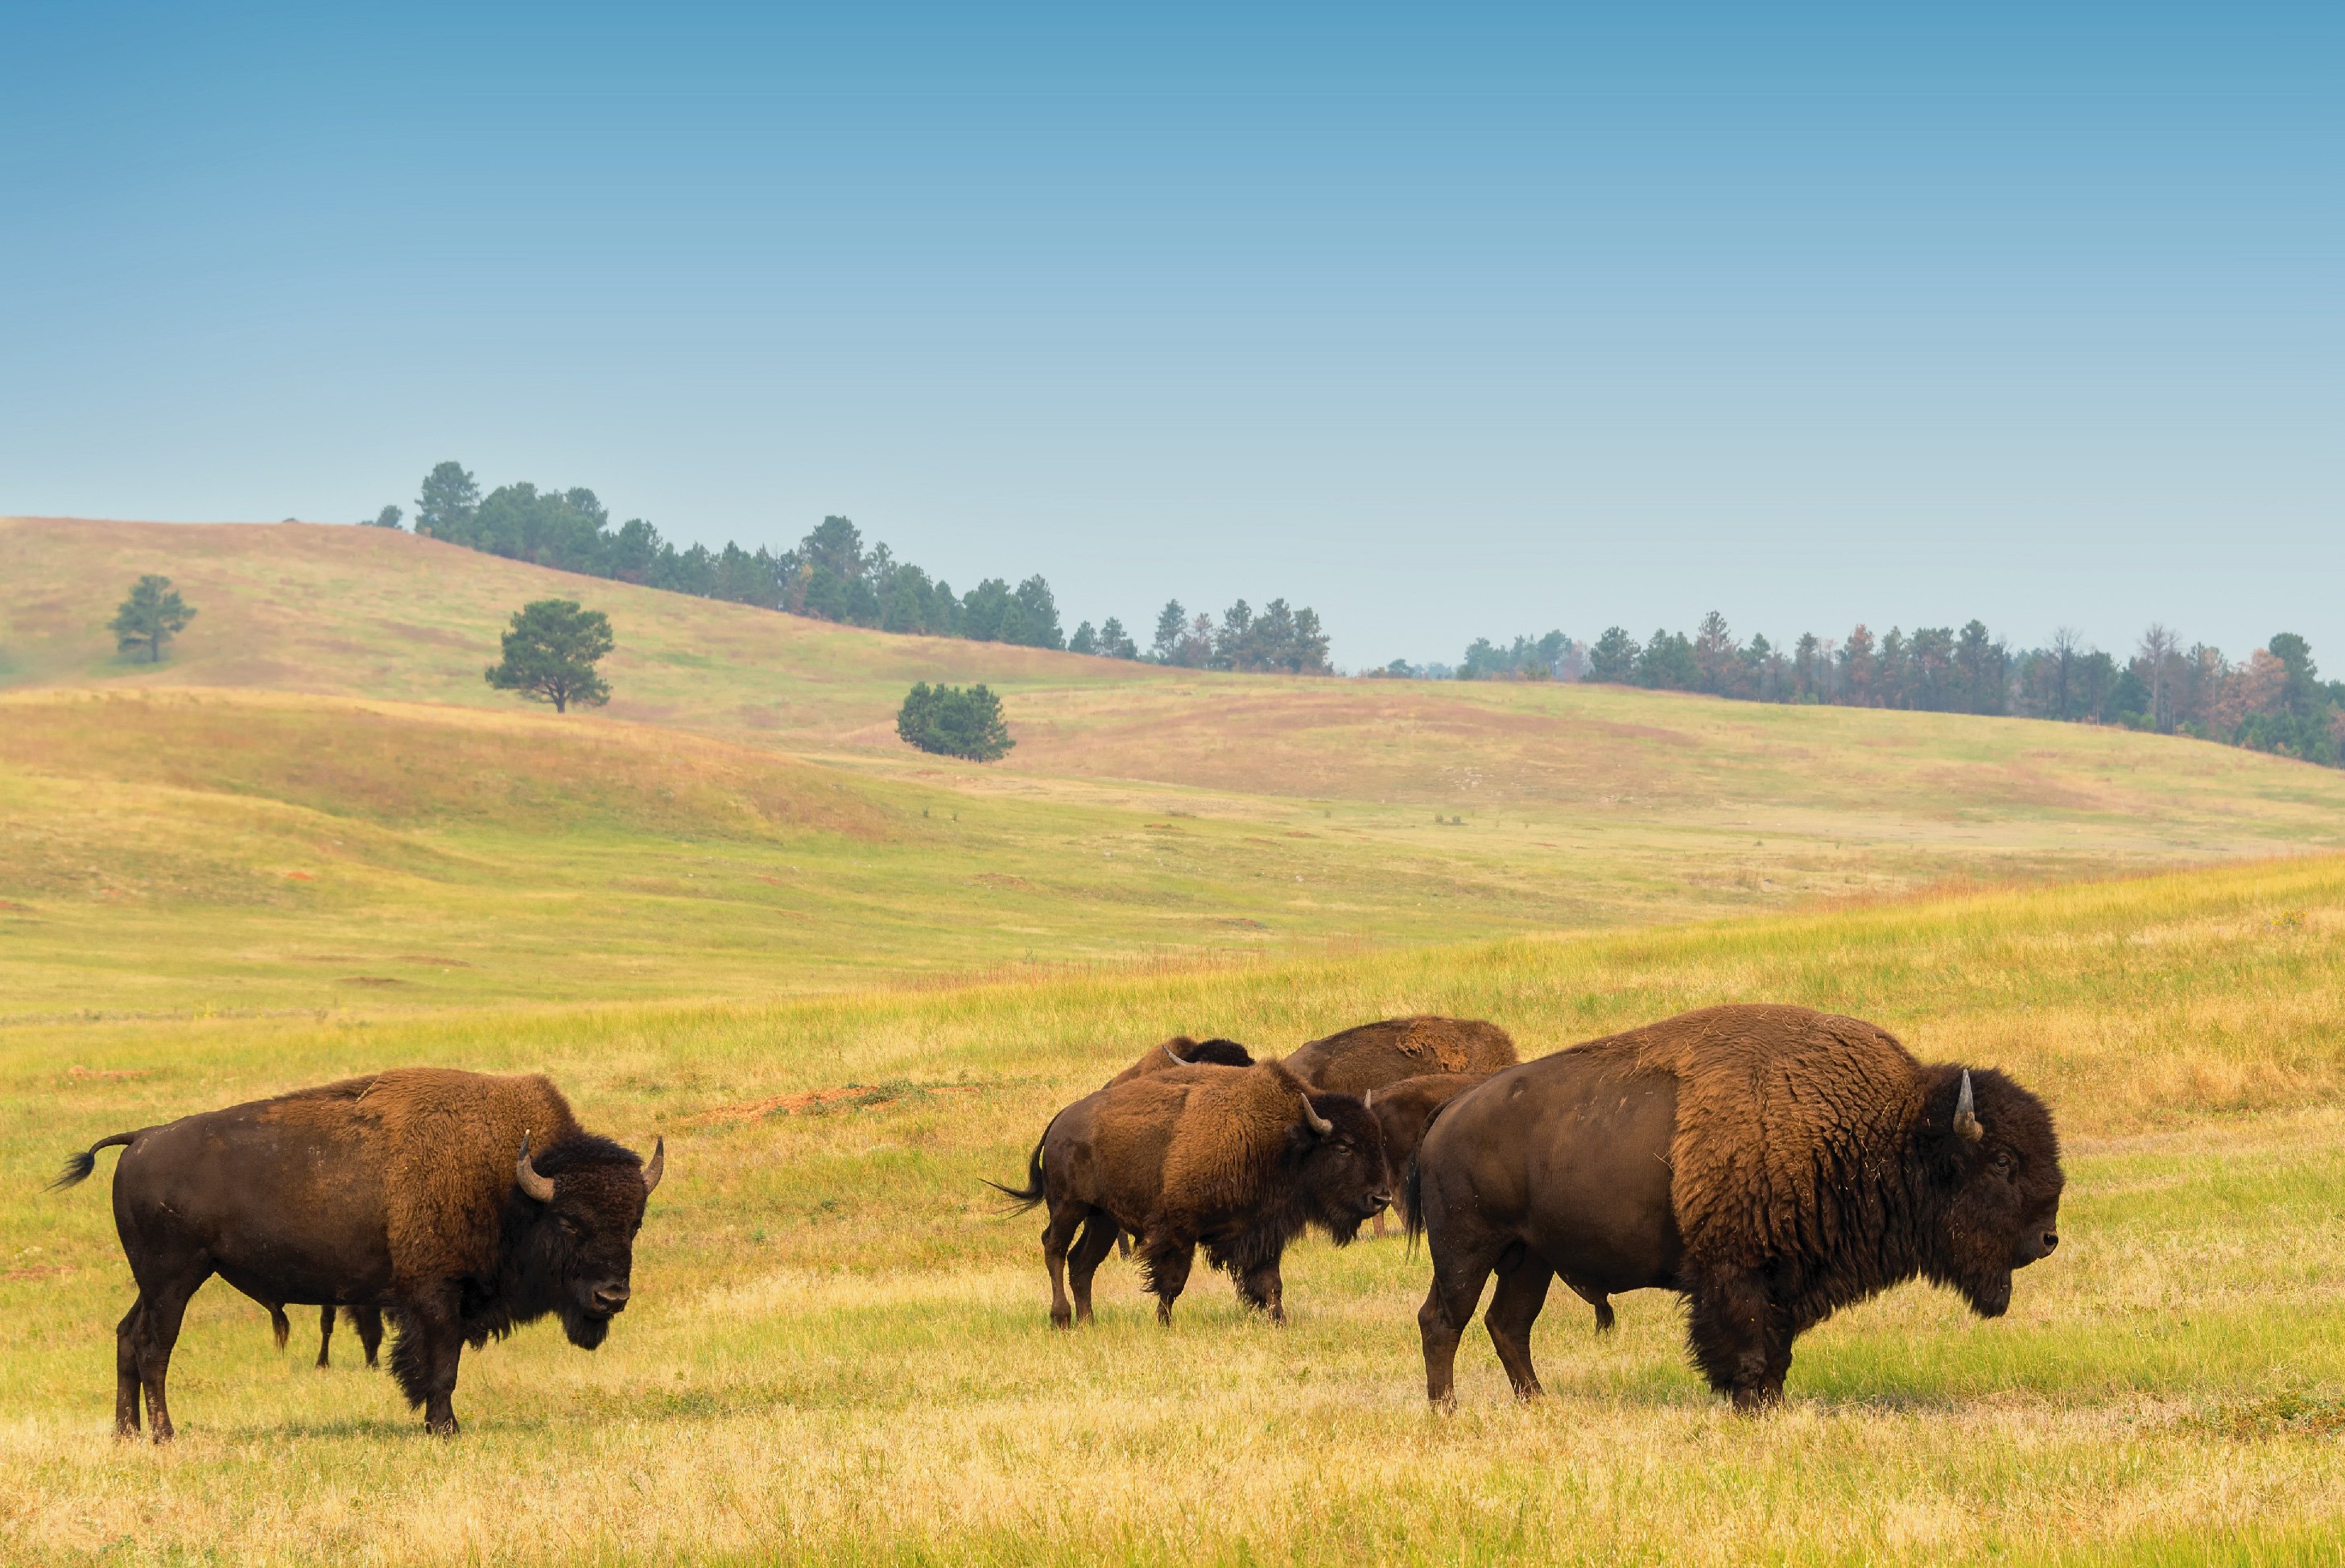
526, 1178
658, 1168
1966, 1121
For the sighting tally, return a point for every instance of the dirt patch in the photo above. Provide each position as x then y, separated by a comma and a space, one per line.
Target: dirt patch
48, 1271
997, 879
817, 1102
370, 980
110, 1074
433, 960
10, 907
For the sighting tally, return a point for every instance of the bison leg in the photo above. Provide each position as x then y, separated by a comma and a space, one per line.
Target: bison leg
158, 1332
1461, 1267
1741, 1340
1597, 1299
1514, 1307
424, 1360
126, 1337
370, 1326
1166, 1259
1091, 1249
1067, 1216
1260, 1289
325, 1337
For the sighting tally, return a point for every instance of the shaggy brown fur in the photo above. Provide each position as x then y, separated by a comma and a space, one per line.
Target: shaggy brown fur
445, 1141
1771, 1163
1190, 1053
1371, 1056
1777, 1108
1219, 1156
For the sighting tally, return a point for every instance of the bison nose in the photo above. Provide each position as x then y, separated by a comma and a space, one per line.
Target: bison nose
2051, 1240
613, 1297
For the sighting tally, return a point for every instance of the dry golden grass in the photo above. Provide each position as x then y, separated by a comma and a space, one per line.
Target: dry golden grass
838, 1349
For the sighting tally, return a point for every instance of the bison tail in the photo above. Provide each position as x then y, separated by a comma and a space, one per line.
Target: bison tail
1412, 1202
76, 1169
1025, 1198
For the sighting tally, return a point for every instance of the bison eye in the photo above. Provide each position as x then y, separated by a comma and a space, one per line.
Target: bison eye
2002, 1162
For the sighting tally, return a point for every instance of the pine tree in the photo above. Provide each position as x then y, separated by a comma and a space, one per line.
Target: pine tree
151, 617
444, 509
551, 652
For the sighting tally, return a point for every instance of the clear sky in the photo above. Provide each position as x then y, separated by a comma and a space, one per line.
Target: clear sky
1447, 320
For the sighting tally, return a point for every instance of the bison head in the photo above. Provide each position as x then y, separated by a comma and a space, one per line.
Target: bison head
1335, 1160
570, 1233
1994, 1162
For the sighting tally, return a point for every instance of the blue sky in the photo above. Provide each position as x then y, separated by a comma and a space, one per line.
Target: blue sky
1447, 321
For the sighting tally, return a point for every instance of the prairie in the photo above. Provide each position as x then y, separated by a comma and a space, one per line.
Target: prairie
840, 1352
848, 982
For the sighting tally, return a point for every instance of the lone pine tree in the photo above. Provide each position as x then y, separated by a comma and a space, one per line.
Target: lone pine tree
551, 653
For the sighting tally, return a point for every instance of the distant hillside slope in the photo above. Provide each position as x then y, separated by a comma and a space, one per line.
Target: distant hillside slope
376, 612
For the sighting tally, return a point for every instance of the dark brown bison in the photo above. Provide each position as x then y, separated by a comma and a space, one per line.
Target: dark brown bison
1404, 1110
1770, 1164
1237, 1160
1371, 1056
414, 1190
1181, 1051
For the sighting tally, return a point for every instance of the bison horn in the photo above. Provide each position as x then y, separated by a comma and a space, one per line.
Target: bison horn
1966, 1121
1367, 1099
1168, 1050
1314, 1120
526, 1178
658, 1168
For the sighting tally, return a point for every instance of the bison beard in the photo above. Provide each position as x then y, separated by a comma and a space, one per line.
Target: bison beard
1770, 1164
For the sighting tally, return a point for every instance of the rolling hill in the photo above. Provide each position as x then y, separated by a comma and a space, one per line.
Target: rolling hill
316, 791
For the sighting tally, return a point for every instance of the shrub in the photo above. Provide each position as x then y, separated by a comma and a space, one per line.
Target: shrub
954, 722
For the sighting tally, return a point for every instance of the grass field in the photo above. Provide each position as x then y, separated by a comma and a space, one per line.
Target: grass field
848, 982
838, 1349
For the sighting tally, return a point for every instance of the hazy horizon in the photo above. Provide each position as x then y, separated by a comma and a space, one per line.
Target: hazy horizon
1449, 324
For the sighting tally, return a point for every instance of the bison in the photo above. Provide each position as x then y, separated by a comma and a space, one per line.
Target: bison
415, 1190
1371, 1056
1770, 1164
1238, 1160
1181, 1051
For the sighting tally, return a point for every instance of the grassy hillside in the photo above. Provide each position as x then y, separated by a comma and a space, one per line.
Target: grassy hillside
318, 802
838, 1349
191, 851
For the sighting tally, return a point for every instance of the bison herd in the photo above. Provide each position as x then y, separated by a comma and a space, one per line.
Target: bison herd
1768, 1164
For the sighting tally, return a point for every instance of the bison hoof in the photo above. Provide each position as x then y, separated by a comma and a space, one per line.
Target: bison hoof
444, 1428
1757, 1402
1062, 1320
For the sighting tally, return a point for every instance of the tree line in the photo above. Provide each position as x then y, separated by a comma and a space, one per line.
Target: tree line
2273, 701
832, 575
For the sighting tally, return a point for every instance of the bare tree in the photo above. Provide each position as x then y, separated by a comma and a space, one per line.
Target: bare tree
2159, 646
2067, 647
